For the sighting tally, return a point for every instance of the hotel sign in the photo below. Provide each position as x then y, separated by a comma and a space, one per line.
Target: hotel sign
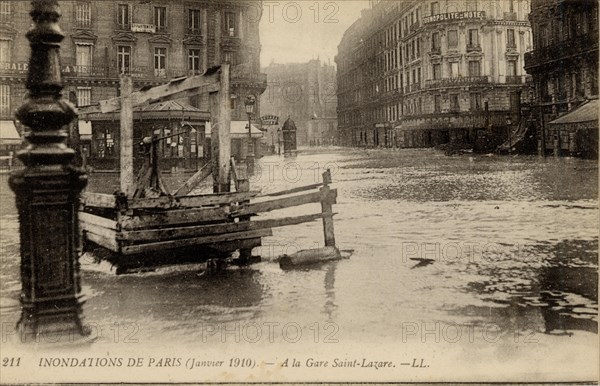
454, 16
149, 28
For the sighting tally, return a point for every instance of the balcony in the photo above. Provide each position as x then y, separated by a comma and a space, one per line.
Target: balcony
124, 27
435, 51
6, 18
567, 49
459, 81
161, 29
79, 71
514, 79
414, 26
193, 31
474, 47
251, 80
415, 87
83, 23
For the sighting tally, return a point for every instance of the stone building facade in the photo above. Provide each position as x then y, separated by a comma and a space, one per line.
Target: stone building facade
424, 73
564, 66
306, 93
152, 40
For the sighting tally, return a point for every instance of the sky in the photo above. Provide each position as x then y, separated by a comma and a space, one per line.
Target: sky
298, 31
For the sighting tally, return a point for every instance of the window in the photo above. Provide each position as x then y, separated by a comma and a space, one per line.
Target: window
474, 68
105, 143
435, 41
544, 37
194, 61
229, 57
84, 96
123, 16
435, 8
453, 69
471, 5
83, 58
473, 38
511, 68
194, 20
160, 18
124, 59
511, 6
475, 101
510, 38
4, 50
160, 61
5, 11
453, 38
4, 99
437, 103
83, 15
230, 24
454, 106
437, 71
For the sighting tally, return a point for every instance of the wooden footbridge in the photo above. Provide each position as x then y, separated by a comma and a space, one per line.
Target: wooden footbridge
144, 220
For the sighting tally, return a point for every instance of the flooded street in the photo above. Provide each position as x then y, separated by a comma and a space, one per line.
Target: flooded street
510, 272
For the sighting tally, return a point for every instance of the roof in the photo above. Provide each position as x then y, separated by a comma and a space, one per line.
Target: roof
9, 134
239, 129
583, 116
168, 106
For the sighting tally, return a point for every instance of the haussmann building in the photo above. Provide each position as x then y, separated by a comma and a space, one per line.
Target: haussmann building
426, 73
153, 41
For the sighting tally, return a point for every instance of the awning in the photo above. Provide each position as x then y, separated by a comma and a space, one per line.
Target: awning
239, 129
583, 117
85, 130
9, 134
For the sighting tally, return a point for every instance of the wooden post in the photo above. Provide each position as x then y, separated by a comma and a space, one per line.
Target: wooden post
220, 111
327, 210
126, 146
47, 191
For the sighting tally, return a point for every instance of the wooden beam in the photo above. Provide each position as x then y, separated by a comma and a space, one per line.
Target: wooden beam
220, 112
190, 201
87, 218
204, 230
97, 200
174, 217
106, 242
162, 245
292, 191
282, 203
126, 132
175, 89
194, 180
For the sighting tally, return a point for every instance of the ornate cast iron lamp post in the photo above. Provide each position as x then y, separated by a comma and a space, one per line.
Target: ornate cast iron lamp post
47, 190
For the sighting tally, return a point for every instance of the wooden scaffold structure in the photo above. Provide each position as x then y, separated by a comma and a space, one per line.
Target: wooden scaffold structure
143, 219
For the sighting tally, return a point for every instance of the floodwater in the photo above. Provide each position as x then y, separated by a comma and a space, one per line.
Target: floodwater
508, 289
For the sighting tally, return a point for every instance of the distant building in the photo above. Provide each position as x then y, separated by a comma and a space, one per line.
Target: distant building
306, 93
423, 73
153, 41
564, 66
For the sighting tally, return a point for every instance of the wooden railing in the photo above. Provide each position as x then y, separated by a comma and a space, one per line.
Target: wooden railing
129, 226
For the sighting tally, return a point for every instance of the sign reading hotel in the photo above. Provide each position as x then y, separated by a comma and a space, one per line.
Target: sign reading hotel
149, 28
454, 16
